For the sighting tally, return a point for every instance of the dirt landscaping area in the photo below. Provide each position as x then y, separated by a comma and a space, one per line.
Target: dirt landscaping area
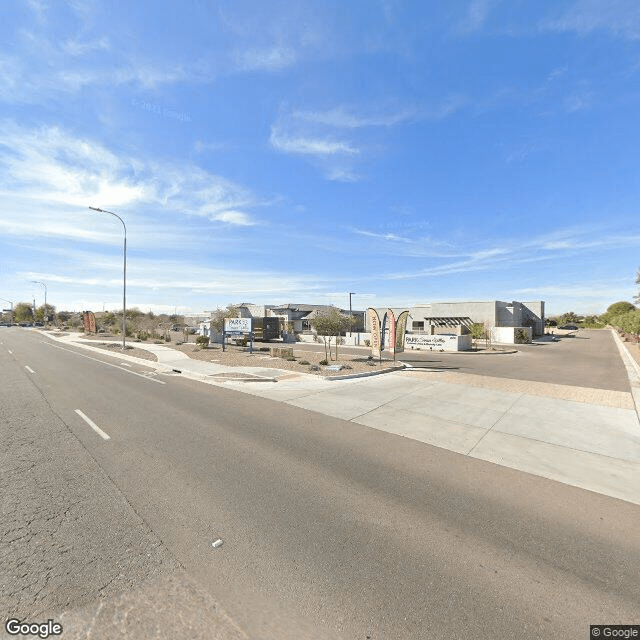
234, 356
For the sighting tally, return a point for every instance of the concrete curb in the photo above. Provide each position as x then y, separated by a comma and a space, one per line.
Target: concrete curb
365, 374
464, 353
633, 369
624, 351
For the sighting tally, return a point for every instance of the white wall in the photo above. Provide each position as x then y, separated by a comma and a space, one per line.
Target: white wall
442, 342
507, 335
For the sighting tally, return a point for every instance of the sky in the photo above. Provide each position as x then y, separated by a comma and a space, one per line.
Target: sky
299, 151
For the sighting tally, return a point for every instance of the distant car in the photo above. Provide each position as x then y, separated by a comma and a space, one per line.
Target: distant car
569, 327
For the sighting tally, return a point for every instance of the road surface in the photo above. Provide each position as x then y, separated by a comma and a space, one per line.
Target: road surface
329, 529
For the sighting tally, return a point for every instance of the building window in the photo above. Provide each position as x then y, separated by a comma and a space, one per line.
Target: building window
418, 326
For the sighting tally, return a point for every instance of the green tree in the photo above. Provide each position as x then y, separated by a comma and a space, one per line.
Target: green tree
23, 312
570, 316
47, 310
628, 322
615, 310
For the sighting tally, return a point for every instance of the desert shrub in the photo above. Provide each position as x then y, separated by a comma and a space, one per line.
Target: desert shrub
367, 343
203, 341
314, 367
521, 336
143, 335
304, 362
324, 362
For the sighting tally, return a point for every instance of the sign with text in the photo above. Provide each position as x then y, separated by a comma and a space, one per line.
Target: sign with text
237, 325
374, 318
443, 342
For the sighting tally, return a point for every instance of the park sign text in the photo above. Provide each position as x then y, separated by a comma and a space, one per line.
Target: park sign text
237, 325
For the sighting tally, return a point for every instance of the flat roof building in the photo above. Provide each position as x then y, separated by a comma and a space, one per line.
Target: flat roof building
438, 316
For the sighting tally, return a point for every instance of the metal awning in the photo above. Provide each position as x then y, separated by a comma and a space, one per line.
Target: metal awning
448, 321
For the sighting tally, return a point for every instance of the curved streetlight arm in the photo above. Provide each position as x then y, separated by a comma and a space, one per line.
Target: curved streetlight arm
113, 214
124, 294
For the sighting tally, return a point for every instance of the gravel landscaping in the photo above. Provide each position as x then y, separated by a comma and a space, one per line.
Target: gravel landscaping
240, 357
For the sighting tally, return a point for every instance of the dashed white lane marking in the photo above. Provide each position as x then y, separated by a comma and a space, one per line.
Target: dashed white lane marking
11, 352
93, 425
125, 364
28, 368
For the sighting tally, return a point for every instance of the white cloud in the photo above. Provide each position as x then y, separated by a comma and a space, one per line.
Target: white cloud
309, 146
234, 217
340, 117
52, 167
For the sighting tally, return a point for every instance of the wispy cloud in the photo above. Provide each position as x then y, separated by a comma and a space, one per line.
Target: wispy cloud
341, 117
309, 146
270, 59
475, 17
49, 165
341, 174
619, 17
234, 217
76, 47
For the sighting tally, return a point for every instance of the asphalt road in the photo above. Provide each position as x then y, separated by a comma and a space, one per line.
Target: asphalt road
329, 529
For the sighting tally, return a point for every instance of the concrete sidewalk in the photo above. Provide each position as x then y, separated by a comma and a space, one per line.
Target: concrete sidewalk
588, 438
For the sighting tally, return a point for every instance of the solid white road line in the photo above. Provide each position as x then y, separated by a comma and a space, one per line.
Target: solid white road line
28, 368
124, 364
93, 425
109, 364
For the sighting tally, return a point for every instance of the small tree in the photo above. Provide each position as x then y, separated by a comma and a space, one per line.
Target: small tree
478, 332
329, 324
218, 316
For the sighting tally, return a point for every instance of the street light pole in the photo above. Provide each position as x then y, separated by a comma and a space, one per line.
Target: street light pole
350, 314
124, 288
45, 303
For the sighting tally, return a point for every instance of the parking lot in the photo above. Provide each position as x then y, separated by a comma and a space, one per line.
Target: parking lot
585, 358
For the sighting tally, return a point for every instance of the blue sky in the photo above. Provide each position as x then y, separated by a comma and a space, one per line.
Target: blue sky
298, 151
